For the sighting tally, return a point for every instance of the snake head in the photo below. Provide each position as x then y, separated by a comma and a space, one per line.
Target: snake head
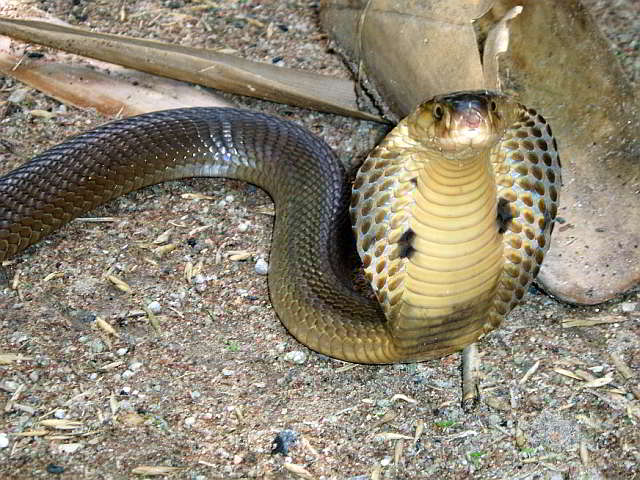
462, 124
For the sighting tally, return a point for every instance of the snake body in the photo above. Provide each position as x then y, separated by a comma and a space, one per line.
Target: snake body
452, 213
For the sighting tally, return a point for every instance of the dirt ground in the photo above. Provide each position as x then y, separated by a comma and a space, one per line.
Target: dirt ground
199, 378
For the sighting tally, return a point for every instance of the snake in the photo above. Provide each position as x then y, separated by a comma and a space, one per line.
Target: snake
451, 214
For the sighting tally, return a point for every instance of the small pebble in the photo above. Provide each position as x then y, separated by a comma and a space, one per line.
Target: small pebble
10, 386
135, 366
18, 95
70, 447
93, 376
189, 421
34, 377
283, 441
229, 198
59, 413
297, 356
195, 395
122, 351
628, 307
127, 374
96, 346
199, 279
243, 227
262, 267
154, 307
57, 469
228, 372
126, 390
4, 440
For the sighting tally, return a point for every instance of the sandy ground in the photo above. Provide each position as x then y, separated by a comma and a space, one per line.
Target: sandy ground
205, 385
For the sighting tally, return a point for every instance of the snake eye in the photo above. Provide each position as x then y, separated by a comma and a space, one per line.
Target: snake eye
438, 112
493, 105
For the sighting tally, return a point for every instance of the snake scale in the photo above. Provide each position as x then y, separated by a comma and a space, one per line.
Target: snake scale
452, 213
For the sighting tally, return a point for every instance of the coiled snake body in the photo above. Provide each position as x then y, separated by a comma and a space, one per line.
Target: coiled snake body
452, 213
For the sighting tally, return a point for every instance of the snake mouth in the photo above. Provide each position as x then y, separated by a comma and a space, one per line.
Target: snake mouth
468, 124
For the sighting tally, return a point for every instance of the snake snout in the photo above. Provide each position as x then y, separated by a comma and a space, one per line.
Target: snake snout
470, 118
470, 128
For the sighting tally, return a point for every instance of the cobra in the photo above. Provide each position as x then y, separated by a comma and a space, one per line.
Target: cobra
452, 213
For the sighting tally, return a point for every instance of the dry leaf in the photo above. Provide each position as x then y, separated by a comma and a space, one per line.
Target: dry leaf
238, 255
299, 470
53, 276
106, 327
197, 196
419, 430
119, 284
8, 358
42, 113
590, 322
391, 436
567, 373
599, 382
530, 372
622, 367
164, 249
61, 424
154, 470
111, 365
31, 433
163, 237
400, 396
96, 219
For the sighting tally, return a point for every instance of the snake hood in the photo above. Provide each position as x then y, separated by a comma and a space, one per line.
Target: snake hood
452, 213
462, 124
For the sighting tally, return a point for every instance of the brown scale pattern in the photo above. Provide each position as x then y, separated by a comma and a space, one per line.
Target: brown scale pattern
527, 167
381, 213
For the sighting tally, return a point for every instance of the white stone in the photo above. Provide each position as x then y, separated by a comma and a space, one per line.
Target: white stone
297, 356
70, 447
154, 307
262, 267
135, 366
628, 307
